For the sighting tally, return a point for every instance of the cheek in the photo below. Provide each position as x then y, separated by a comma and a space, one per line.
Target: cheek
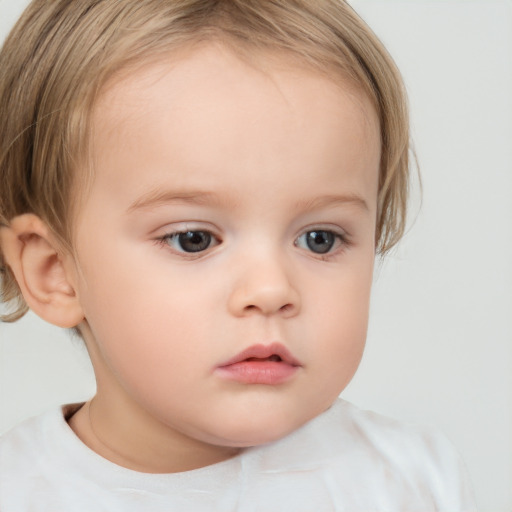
341, 331
148, 323
152, 350
341, 304
338, 333
144, 320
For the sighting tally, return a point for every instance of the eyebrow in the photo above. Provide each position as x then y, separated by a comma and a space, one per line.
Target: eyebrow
332, 200
162, 197
202, 198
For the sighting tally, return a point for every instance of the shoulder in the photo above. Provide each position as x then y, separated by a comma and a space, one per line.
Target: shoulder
407, 467
409, 456
31, 439
21, 446
20, 462
405, 443
31, 460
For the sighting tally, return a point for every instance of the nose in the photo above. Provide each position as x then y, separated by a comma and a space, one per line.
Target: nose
265, 287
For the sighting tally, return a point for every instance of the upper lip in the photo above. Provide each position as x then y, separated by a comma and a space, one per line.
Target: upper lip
264, 352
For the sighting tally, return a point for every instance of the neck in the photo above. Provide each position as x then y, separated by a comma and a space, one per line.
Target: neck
131, 442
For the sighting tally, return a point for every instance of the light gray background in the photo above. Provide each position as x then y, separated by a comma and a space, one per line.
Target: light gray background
440, 340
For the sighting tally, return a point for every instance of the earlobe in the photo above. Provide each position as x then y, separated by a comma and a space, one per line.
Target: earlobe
41, 270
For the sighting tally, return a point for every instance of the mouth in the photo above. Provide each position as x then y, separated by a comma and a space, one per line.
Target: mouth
273, 357
260, 364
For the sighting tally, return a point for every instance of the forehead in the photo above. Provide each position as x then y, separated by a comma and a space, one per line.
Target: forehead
195, 76
211, 104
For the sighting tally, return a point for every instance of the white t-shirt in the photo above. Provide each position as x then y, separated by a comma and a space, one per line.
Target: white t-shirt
344, 460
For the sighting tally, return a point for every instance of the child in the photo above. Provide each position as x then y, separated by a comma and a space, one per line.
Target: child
199, 188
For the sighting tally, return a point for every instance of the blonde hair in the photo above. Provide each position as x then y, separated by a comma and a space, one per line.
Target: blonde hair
61, 53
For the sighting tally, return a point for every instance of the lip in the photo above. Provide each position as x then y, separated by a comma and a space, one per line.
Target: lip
260, 364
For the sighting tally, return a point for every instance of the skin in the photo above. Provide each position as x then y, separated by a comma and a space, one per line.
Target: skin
258, 155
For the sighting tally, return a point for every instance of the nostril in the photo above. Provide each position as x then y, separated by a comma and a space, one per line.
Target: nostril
263, 300
284, 309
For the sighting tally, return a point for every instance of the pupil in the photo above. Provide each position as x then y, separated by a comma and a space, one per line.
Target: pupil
194, 241
320, 241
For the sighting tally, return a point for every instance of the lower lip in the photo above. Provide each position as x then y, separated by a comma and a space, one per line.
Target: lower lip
258, 372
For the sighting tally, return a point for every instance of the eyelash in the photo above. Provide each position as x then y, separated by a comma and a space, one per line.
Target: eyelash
340, 240
168, 237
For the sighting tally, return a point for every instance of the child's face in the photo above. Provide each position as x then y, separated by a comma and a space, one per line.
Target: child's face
271, 179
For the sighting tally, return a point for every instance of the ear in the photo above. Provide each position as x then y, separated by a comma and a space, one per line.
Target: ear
43, 271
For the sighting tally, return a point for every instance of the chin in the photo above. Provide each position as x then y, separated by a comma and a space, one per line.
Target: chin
259, 430
249, 439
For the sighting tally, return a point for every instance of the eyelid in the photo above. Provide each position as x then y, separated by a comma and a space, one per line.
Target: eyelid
340, 234
332, 228
337, 235
186, 227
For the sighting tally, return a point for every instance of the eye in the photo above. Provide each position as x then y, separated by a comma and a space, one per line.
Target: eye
190, 241
318, 241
